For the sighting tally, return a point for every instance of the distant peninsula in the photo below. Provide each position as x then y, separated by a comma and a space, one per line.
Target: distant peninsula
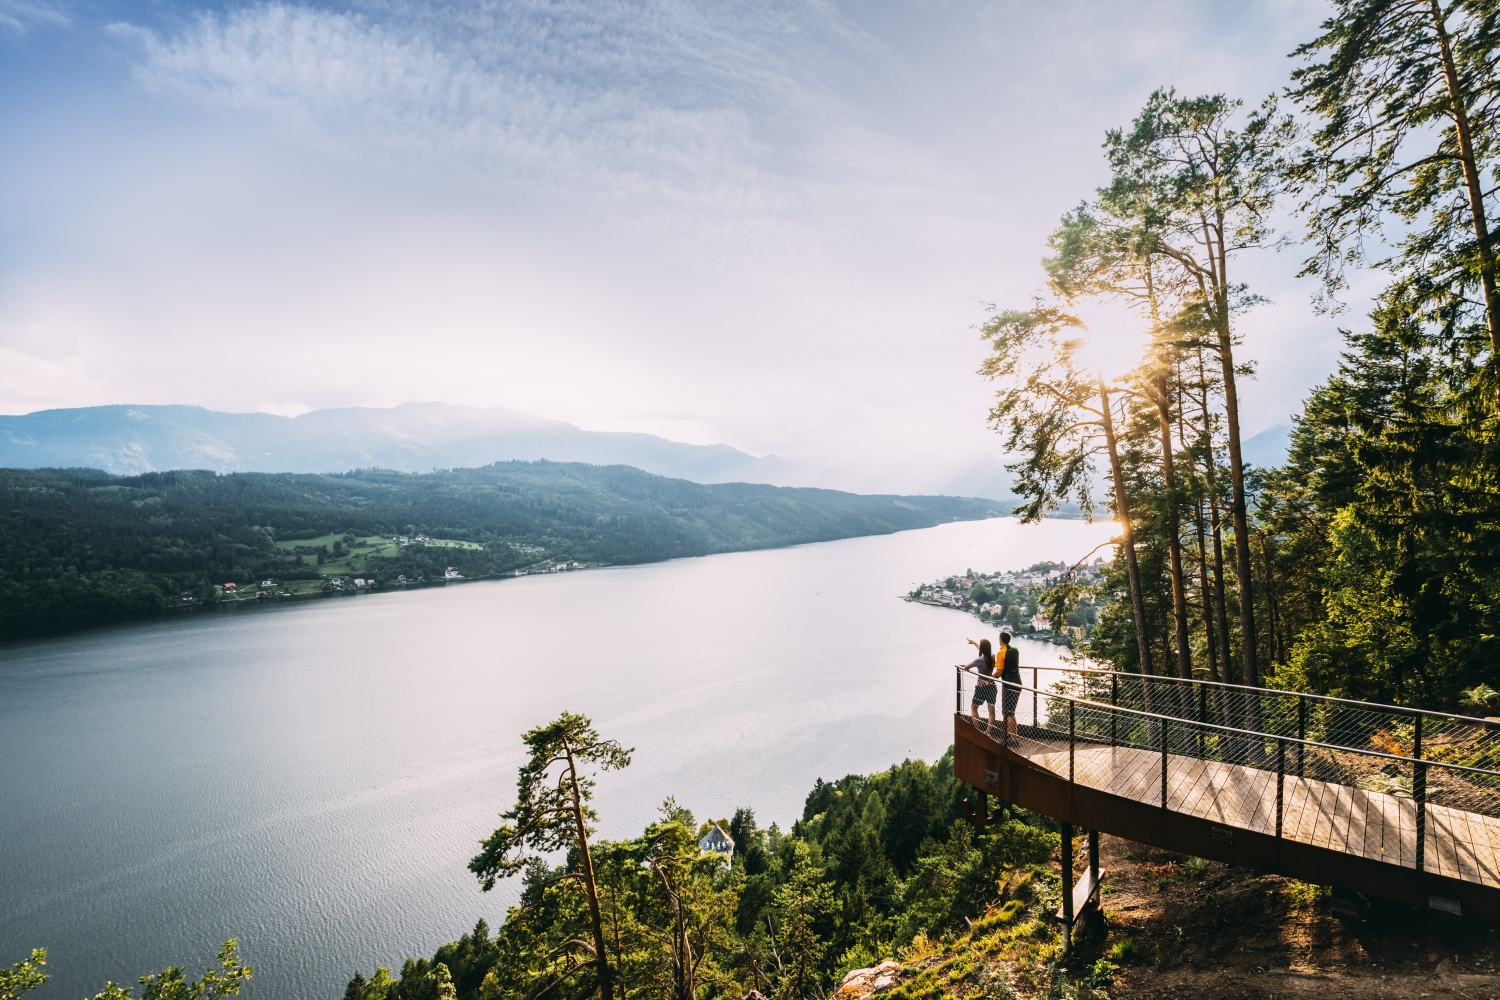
81, 546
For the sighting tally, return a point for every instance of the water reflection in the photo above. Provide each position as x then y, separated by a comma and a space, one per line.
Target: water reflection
313, 778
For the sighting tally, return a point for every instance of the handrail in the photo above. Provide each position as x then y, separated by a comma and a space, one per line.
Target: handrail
1231, 729
1405, 709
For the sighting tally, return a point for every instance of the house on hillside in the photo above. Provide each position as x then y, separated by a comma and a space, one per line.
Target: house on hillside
718, 841
452, 573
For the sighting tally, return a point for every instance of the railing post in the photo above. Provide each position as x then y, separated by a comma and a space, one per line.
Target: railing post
1164, 744
1419, 794
1036, 717
958, 693
1202, 718
1280, 782
1114, 702
1071, 706
1301, 732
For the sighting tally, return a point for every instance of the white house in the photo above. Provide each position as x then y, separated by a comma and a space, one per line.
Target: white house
452, 573
718, 841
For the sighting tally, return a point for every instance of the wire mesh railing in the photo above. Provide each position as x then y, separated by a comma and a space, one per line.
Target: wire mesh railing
1281, 765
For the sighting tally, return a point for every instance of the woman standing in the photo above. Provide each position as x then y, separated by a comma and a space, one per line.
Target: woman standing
984, 690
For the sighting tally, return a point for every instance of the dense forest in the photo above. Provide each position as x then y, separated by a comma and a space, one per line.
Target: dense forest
878, 866
78, 546
1368, 566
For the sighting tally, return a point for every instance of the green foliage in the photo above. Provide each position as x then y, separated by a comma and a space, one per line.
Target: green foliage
25, 975
551, 811
1406, 134
551, 814
1479, 696
1102, 972
1397, 465
877, 866
223, 980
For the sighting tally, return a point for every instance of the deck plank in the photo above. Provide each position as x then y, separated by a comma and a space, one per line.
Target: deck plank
1372, 824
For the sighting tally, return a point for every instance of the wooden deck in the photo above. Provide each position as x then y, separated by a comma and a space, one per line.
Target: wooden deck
1374, 825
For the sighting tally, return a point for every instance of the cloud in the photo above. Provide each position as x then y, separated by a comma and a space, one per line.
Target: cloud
628, 102
19, 18
772, 222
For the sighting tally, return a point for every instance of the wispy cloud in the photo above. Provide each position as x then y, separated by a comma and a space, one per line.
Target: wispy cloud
17, 17
628, 99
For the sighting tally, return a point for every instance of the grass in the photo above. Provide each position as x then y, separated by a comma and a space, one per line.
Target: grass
1304, 895
359, 552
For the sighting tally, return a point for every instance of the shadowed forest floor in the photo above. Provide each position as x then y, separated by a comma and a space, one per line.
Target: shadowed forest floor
1179, 927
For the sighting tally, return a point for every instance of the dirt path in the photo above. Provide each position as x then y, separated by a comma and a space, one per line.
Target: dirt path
1204, 929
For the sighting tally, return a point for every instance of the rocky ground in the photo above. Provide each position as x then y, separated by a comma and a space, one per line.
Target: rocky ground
1178, 927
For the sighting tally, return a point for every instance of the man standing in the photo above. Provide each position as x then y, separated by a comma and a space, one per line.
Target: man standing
1010, 682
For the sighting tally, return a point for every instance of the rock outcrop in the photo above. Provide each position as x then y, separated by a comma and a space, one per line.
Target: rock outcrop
862, 983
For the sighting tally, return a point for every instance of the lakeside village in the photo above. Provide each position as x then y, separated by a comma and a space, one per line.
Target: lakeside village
1016, 600
340, 557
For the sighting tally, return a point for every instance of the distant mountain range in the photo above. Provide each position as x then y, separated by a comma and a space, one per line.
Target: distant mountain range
420, 437
412, 437
1268, 449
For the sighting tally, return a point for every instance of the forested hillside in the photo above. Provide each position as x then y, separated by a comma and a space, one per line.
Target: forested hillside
79, 546
878, 866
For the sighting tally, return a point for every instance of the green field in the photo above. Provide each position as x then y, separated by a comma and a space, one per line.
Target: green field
357, 551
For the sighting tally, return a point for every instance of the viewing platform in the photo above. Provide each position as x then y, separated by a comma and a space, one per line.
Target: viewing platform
1391, 802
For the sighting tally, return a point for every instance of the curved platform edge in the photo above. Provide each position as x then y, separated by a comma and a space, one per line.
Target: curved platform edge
988, 766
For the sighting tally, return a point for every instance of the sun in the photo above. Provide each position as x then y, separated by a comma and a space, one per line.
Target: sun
1115, 337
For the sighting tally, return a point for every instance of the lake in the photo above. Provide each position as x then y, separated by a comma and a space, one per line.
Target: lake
312, 778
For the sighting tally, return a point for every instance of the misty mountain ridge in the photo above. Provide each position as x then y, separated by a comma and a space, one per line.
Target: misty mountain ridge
411, 437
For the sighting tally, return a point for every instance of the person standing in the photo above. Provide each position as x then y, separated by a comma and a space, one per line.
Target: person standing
1010, 682
984, 687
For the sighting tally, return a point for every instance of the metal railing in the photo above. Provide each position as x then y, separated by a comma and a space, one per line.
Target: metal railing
1383, 782
1342, 722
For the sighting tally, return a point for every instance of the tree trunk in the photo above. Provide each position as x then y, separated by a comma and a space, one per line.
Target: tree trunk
1208, 600
1221, 607
1174, 540
1211, 643
1127, 540
1249, 667
590, 885
1473, 182
1216, 530
1273, 617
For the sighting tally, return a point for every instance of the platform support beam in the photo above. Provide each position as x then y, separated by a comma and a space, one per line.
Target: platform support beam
1067, 881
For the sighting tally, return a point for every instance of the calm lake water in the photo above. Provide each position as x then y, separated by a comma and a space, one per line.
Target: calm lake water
313, 778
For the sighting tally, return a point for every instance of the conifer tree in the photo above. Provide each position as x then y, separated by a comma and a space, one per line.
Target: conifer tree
1201, 190
552, 813
1406, 94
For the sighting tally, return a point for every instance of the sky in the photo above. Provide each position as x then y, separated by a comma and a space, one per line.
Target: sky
775, 224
